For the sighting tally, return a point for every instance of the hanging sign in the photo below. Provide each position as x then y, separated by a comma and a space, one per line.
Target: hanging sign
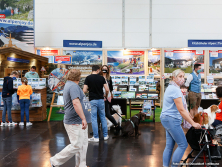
82, 44
62, 59
204, 43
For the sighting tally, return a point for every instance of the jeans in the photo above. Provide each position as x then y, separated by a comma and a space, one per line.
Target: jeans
216, 122
98, 106
174, 134
78, 147
24, 104
7, 106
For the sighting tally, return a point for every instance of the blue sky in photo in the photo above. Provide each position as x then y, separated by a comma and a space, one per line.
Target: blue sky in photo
177, 56
213, 58
154, 58
117, 54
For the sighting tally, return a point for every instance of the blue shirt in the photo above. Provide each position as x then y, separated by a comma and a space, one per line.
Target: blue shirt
195, 84
169, 107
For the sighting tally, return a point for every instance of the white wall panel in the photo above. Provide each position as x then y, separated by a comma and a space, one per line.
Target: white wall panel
174, 22
56, 20
137, 24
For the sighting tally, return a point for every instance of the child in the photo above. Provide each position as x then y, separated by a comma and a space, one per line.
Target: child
218, 119
24, 91
7, 93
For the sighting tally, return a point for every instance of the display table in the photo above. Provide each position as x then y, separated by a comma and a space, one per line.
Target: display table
35, 113
140, 108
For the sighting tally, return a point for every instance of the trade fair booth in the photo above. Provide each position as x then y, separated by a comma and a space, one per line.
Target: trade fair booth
15, 59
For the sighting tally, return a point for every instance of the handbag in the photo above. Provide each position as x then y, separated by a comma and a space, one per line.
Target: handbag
109, 94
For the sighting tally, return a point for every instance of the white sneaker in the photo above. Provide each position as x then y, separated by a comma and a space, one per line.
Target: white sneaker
106, 138
12, 124
51, 162
28, 123
3, 124
93, 139
21, 123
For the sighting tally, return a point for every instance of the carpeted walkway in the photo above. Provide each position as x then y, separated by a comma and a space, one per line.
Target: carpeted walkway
59, 117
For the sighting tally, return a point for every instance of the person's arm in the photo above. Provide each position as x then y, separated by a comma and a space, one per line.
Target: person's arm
31, 91
189, 79
78, 108
184, 113
111, 87
106, 89
85, 88
18, 91
10, 87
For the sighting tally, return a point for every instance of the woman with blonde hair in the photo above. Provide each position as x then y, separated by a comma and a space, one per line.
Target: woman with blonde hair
174, 109
24, 91
105, 72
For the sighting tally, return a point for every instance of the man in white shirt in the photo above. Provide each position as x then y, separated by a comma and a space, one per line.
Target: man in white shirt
194, 85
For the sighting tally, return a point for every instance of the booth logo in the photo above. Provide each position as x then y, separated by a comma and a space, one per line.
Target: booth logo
2, 16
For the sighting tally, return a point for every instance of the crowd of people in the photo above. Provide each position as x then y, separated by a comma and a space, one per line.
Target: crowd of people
79, 111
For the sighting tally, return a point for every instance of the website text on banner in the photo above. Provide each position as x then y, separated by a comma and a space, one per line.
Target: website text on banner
82, 44
204, 43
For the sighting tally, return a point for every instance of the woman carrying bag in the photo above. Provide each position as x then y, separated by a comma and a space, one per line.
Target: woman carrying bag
105, 72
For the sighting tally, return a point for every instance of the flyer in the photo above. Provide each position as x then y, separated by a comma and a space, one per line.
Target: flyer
124, 80
142, 80
132, 80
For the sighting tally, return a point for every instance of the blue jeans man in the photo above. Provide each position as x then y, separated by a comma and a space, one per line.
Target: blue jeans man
98, 106
7, 106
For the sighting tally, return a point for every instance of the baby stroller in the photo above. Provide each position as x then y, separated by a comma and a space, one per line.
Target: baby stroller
202, 140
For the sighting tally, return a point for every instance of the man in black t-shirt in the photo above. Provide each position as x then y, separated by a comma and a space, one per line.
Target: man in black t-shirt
94, 83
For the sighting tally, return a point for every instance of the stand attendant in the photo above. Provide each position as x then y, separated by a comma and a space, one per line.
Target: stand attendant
32, 73
194, 84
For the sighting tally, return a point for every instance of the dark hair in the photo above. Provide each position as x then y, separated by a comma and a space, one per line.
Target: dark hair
95, 67
219, 91
196, 66
34, 67
108, 72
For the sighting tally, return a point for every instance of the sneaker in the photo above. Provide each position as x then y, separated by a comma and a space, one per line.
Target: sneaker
51, 162
21, 123
12, 124
106, 138
3, 124
93, 139
28, 123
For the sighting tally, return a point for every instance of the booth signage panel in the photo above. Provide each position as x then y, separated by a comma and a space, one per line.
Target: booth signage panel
82, 44
62, 59
2, 16
49, 52
204, 43
17, 60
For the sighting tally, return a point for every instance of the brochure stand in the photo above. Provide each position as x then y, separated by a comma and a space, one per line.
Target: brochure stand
53, 105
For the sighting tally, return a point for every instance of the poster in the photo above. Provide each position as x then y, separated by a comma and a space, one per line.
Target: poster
126, 62
154, 62
215, 58
84, 57
184, 60
17, 21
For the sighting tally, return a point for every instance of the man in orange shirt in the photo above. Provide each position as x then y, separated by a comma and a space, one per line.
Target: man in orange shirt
218, 119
